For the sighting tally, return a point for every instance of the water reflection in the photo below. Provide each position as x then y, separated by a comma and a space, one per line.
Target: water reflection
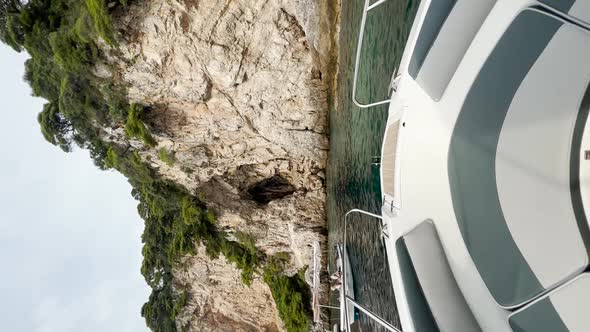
356, 136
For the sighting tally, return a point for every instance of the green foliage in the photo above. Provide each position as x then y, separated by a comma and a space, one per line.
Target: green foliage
14, 32
61, 38
70, 52
180, 303
248, 241
134, 127
54, 127
159, 309
102, 21
10, 28
166, 156
112, 158
115, 101
281, 258
174, 222
189, 212
210, 217
244, 258
291, 295
83, 28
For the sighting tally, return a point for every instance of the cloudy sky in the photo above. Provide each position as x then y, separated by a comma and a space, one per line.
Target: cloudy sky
70, 249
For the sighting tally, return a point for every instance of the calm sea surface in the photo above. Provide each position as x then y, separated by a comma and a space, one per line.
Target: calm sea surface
355, 137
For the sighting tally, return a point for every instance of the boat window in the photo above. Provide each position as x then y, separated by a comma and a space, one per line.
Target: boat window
445, 36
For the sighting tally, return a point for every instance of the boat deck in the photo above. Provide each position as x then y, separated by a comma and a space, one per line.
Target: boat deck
422, 151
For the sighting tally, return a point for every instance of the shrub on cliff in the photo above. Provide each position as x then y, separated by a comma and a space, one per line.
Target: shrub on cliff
54, 127
166, 156
159, 309
291, 295
102, 21
10, 27
134, 127
180, 303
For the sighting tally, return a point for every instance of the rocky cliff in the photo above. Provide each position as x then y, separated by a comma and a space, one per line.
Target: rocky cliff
218, 300
238, 93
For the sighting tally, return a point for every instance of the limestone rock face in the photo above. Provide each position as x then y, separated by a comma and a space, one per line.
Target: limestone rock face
218, 301
238, 91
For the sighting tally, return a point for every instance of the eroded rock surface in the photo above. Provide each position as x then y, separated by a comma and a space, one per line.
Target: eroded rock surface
216, 286
238, 91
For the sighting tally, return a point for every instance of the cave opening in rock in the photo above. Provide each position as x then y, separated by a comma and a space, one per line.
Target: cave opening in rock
270, 189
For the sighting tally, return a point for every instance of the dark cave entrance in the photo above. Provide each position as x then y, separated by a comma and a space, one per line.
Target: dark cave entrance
270, 189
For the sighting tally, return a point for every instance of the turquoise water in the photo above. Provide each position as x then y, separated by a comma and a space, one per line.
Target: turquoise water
355, 138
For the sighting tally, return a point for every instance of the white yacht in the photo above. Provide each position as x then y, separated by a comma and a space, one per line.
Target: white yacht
485, 168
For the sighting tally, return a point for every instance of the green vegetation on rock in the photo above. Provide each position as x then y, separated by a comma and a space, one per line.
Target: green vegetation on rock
174, 221
134, 127
102, 21
167, 157
291, 294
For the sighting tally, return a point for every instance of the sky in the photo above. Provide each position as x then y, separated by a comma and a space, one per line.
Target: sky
70, 247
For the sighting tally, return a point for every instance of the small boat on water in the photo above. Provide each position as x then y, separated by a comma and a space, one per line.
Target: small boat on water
484, 172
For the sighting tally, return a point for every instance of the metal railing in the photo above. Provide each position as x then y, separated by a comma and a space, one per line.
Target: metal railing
348, 299
393, 84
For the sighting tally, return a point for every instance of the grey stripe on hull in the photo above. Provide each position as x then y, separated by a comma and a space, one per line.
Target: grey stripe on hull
472, 154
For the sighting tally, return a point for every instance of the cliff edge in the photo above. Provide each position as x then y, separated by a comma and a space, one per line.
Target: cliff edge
237, 94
